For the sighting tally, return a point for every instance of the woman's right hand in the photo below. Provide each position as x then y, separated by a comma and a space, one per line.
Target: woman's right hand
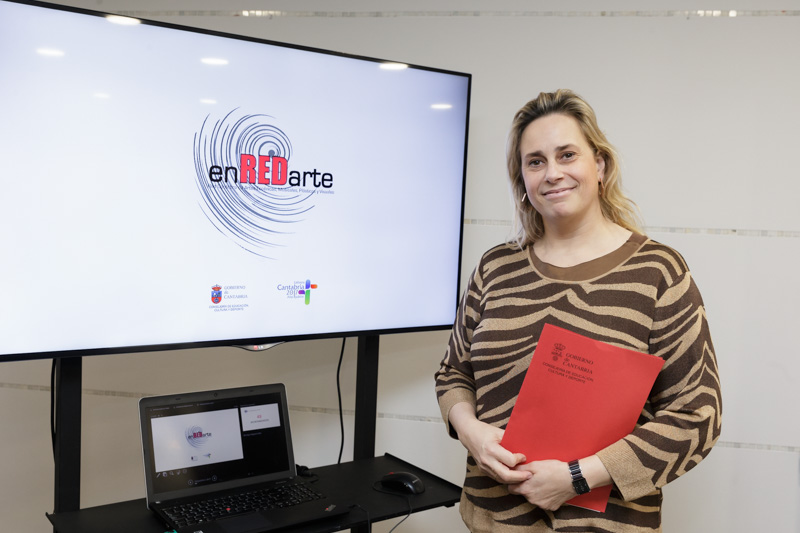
482, 440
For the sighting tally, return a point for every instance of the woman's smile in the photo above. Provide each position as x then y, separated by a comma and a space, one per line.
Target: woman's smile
557, 193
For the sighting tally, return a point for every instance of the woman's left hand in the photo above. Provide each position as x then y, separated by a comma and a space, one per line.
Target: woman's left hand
549, 487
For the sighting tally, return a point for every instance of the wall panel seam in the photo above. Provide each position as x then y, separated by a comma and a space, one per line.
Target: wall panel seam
737, 232
381, 415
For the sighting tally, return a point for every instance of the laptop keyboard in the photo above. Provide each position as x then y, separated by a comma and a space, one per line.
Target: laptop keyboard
218, 507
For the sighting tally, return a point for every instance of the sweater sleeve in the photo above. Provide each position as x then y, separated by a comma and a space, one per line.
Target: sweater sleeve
685, 401
455, 381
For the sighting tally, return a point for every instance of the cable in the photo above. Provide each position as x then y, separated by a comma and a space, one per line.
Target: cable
401, 521
53, 406
339, 393
369, 520
377, 486
262, 347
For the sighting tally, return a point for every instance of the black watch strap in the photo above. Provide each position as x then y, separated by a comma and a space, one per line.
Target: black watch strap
578, 481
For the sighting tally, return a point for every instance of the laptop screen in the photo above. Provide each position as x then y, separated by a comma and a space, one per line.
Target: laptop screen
207, 441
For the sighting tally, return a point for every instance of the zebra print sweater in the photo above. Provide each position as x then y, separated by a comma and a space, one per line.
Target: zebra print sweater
641, 297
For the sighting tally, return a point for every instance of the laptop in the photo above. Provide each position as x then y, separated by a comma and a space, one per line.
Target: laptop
232, 447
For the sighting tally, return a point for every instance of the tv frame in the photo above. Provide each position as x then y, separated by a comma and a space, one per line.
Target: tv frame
256, 342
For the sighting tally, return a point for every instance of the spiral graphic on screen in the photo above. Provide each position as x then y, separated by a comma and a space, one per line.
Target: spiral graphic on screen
257, 218
195, 436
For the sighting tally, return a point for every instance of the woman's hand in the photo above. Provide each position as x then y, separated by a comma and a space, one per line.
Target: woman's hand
549, 487
483, 442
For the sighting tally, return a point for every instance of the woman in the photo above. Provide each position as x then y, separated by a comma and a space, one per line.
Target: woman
579, 262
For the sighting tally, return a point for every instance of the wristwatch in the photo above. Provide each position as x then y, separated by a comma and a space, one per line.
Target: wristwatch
578, 481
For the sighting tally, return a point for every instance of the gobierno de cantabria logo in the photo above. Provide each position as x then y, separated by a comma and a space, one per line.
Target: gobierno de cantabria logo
249, 188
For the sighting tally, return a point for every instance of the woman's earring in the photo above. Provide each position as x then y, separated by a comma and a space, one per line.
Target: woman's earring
524, 198
601, 188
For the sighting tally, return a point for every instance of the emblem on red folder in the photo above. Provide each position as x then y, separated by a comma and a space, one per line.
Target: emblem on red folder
558, 350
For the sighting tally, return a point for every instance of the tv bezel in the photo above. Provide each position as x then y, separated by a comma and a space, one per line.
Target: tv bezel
255, 342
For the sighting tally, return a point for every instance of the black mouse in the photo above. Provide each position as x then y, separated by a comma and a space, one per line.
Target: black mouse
403, 482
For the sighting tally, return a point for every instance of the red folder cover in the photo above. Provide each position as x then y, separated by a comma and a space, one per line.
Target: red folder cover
578, 397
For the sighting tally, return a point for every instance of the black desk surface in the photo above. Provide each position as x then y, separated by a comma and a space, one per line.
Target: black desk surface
351, 481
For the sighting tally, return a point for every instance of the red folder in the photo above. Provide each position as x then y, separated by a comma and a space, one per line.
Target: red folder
578, 397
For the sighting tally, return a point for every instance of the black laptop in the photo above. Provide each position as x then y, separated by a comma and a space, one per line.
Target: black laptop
222, 462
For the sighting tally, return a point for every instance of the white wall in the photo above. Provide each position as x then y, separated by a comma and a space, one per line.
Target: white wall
704, 111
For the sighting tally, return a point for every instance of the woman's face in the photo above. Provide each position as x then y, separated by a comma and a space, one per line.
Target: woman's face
561, 170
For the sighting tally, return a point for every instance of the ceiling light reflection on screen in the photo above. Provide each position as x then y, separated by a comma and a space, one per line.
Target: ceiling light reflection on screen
214, 61
123, 21
50, 52
393, 66
442, 106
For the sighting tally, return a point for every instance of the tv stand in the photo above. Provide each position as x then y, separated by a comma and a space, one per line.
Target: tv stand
67, 516
351, 481
67, 442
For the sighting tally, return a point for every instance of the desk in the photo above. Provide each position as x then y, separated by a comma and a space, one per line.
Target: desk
352, 481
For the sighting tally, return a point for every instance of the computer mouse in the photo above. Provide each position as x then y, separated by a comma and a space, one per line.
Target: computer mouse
403, 482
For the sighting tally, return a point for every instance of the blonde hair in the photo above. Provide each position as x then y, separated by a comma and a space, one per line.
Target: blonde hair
616, 207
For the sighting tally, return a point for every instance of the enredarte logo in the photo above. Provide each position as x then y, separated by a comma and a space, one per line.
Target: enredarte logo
249, 188
196, 437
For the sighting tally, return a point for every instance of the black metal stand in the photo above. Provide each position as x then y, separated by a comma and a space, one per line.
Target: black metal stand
351, 481
68, 421
67, 445
366, 397
366, 403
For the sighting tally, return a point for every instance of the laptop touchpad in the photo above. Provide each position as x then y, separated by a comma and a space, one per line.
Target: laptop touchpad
244, 524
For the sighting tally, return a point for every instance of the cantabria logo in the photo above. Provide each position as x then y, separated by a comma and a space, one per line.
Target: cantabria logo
307, 291
216, 294
249, 188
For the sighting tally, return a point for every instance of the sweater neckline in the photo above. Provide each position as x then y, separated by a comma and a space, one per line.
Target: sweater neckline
590, 269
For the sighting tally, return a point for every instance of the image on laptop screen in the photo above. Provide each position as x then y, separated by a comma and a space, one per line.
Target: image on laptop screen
216, 438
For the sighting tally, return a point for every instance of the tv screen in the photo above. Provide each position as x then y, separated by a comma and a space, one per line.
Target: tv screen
167, 187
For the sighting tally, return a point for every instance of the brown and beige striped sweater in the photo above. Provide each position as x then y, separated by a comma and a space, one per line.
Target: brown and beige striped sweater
640, 297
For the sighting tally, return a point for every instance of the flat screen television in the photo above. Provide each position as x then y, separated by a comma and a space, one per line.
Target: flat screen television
168, 187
